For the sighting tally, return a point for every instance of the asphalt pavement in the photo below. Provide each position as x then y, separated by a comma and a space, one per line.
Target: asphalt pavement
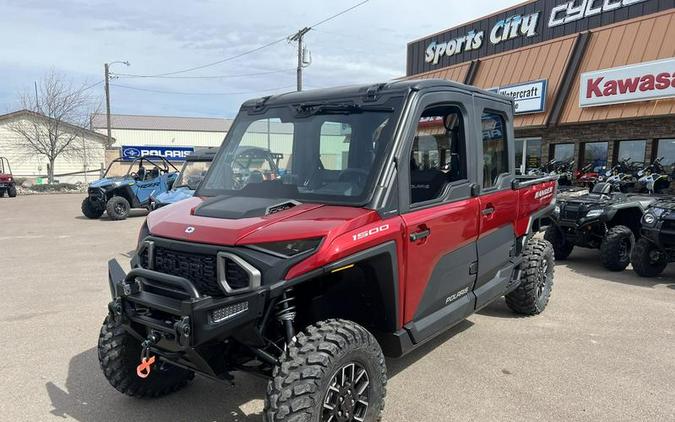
604, 349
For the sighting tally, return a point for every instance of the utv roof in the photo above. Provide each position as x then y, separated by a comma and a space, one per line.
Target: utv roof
403, 86
202, 154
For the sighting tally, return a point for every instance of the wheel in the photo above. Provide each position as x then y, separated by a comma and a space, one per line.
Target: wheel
117, 208
335, 371
616, 247
90, 210
11, 192
561, 247
536, 279
119, 354
647, 259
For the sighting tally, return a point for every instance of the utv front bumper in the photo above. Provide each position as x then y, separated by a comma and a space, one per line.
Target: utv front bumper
172, 310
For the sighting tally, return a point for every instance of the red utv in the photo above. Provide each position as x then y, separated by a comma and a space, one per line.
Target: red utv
7, 183
396, 214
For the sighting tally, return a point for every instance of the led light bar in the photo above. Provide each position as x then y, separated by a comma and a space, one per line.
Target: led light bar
228, 312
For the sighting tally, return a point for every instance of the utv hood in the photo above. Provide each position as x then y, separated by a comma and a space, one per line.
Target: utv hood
174, 195
109, 181
230, 221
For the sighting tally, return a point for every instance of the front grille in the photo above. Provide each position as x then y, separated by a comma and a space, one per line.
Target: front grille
571, 213
668, 232
200, 269
96, 193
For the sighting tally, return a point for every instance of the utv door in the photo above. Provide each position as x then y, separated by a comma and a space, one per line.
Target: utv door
440, 215
498, 201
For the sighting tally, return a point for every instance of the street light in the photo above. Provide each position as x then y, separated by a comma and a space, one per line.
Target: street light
107, 94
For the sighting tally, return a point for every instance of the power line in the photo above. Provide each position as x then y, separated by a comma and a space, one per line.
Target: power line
157, 91
131, 75
92, 85
227, 59
339, 13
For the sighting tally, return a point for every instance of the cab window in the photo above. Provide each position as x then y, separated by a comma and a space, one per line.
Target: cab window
438, 155
495, 152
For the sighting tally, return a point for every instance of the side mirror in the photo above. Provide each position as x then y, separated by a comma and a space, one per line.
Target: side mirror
475, 189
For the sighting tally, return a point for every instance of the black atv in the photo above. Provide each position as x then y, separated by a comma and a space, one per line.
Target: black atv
656, 248
601, 219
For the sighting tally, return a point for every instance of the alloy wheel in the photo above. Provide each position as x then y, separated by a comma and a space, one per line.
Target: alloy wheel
348, 395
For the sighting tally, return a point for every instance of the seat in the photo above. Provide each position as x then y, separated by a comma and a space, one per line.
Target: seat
425, 184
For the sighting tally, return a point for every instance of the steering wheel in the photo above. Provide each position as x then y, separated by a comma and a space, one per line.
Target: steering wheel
134, 175
311, 181
357, 177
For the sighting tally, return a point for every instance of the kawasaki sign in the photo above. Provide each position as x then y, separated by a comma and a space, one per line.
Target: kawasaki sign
171, 153
638, 82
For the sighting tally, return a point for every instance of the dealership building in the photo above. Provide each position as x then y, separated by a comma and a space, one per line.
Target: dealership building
593, 80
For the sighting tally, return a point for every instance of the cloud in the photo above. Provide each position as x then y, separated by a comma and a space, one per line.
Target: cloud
76, 37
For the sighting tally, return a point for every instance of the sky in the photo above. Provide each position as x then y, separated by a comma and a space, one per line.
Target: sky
76, 37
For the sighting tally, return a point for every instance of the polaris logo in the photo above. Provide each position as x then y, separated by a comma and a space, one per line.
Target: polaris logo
132, 152
189, 229
457, 295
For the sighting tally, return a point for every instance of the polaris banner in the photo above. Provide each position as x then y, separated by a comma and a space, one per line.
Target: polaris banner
171, 153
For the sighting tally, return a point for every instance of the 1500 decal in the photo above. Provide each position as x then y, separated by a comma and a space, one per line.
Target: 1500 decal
374, 230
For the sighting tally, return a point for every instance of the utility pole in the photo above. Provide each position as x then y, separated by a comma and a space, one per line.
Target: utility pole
301, 59
107, 96
107, 102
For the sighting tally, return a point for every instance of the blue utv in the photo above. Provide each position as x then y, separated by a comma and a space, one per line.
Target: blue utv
116, 195
193, 171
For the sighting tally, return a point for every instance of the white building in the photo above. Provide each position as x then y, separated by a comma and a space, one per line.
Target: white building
137, 130
25, 162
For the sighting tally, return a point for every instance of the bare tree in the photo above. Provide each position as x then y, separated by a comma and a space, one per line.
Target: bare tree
60, 112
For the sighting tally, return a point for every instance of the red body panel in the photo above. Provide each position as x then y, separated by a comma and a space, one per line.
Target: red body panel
504, 204
347, 230
451, 226
530, 200
171, 222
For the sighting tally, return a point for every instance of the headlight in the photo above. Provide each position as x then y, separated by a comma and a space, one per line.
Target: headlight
289, 248
556, 210
649, 218
657, 211
594, 213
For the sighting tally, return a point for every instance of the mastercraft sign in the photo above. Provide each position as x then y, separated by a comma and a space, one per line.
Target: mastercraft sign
529, 97
171, 153
638, 82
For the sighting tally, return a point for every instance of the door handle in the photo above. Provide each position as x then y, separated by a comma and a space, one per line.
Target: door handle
488, 211
419, 235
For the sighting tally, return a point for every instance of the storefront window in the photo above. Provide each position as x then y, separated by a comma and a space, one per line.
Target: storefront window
666, 149
563, 152
532, 154
596, 153
635, 150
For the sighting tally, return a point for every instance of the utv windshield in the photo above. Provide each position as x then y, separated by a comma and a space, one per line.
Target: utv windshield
312, 152
192, 174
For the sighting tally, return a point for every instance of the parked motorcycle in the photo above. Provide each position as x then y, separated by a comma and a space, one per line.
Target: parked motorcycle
622, 176
587, 176
653, 178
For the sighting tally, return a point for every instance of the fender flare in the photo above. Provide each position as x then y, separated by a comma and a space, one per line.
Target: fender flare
388, 283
